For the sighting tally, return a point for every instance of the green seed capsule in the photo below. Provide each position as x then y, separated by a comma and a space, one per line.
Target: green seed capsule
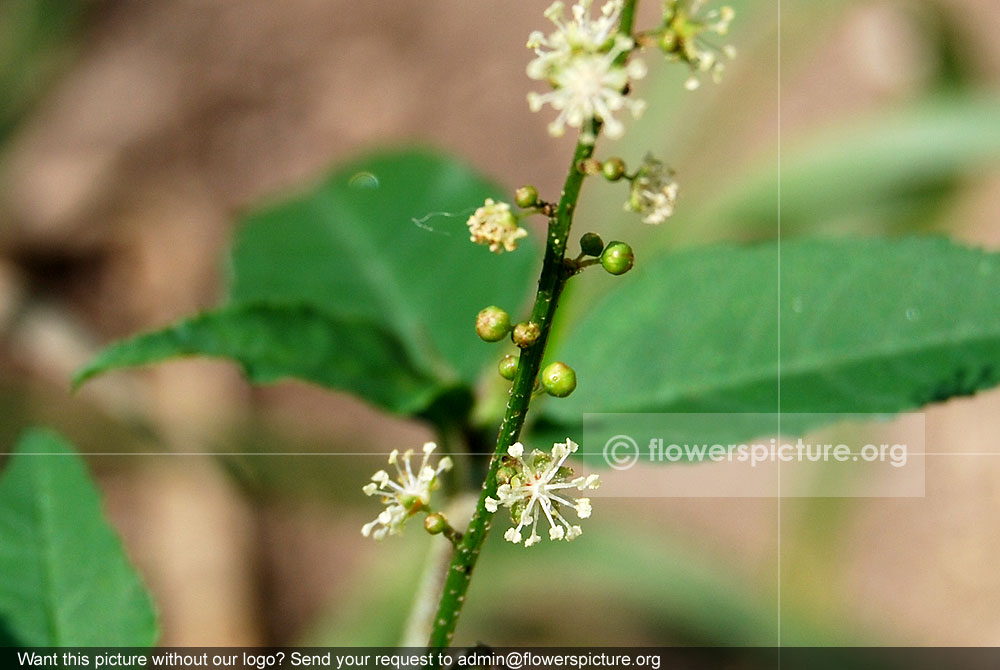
526, 196
617, 258
613, 169
591, 244
435, 523
492, 324
508, 367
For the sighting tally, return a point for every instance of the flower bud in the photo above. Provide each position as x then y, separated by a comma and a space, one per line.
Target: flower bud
617, 258
525, 334
669, 41
505, 474
559, 380
591, 244
492, 324
508, 367
435, 523
526, 196
589, 166
613, 169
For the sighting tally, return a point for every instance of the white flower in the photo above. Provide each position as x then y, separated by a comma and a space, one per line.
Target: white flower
535, 485
579, 61
683, 38
653, 193
493, 224
404, 496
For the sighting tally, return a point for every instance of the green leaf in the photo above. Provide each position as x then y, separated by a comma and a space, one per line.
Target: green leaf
870, 325
385, 239
379, 250
894, 164
275, 342
64, 577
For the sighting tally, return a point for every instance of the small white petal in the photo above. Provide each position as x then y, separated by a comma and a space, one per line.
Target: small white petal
491, 504
515, 450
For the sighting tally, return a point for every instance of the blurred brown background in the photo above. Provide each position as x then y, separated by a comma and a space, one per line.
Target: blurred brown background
135, 134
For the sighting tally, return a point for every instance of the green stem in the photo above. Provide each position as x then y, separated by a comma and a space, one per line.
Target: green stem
555, 273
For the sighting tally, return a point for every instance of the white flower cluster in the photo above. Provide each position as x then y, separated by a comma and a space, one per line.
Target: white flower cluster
683, 38
653, 193
583, 62
495, 225
535, 485
406, 495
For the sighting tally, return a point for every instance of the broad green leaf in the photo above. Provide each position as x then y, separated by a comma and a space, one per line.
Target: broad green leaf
378, 256
875, 326
385, 240
64, 577
272, 343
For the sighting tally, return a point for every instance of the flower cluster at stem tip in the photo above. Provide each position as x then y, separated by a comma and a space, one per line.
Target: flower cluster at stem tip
405, 495
535, 485
585, 61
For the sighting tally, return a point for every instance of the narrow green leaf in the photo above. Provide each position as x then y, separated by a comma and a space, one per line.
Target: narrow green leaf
276, 342
865, 326
64, 577
867, 170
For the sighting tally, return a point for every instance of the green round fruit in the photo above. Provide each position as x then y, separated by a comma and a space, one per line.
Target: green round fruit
591, 244
613, 169
526, 196
558, 379
526, 334
435, 523
617, 258
492, 324
508, 367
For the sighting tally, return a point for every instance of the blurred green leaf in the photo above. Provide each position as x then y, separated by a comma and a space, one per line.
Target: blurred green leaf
34, 45
865, 326
662, 593
64, 577
378, 249
890, 165
277, 342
